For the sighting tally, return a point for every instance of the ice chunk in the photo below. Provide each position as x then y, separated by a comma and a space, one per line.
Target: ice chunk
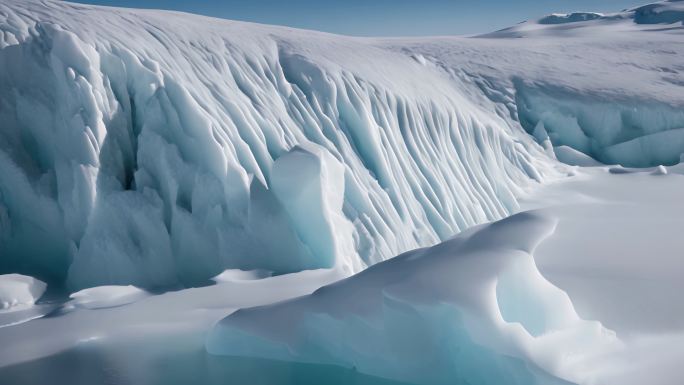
16, 289
107, 296
309, 182
473, 309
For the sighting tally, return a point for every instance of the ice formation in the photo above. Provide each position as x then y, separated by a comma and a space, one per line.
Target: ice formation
473, 309
16, 289
633, 133
159, 149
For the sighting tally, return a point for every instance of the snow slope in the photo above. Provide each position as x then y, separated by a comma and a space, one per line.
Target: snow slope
157, 148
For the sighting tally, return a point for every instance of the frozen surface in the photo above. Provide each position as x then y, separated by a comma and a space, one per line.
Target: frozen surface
17, 290
149, 326
617, 253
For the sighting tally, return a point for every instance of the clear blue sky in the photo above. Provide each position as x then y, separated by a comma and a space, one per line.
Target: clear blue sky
381, 17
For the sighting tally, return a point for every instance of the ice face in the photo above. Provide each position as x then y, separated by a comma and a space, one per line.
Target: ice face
632, 133
159, 150
161, 154
473, 309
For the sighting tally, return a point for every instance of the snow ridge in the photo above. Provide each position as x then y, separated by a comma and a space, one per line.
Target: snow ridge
471, 310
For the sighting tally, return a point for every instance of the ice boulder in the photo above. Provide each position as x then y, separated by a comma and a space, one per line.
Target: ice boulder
16, 289
473, 309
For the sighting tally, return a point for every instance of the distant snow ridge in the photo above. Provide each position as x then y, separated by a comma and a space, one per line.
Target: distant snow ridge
666, 12
662, 15
562, 18
154, 149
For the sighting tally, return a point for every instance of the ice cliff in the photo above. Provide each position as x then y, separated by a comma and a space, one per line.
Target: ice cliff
156, 148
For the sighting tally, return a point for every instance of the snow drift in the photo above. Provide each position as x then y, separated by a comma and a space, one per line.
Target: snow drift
16, 290
473, 309
154, 149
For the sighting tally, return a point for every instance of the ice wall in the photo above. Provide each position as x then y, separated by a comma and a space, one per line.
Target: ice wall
155, 149
621, 130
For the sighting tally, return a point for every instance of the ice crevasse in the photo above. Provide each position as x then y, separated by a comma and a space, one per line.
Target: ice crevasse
158, 149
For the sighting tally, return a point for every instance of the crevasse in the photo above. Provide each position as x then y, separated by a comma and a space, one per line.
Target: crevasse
161, 150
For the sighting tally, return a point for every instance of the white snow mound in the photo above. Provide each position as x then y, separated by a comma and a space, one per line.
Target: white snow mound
107, 296
16, 289
473, 309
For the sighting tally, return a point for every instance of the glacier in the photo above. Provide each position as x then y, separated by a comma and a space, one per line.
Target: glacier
144, 148
157, 149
